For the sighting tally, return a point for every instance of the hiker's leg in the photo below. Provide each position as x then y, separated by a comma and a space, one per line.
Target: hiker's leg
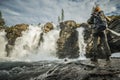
105, 45
94, 54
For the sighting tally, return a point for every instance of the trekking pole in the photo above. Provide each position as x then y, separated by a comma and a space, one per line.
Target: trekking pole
114, 32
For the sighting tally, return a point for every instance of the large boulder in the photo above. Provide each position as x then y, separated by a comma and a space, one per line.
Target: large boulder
48, 27
67, 43
114, 40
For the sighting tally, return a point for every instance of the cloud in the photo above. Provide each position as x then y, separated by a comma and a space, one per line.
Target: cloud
35, 11
11, 12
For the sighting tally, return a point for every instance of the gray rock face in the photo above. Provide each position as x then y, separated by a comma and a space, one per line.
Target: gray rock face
68, 40
55, 70
114, 40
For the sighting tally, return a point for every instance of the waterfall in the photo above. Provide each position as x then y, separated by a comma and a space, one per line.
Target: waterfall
3, 42
26, 47
82, 44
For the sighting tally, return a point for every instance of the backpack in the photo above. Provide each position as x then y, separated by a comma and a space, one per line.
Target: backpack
100, 27
99, 21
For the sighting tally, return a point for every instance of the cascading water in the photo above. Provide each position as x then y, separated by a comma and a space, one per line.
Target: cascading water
26, 47
3, 42
82, 45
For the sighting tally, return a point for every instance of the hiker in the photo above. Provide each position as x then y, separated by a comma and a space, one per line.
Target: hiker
98, 23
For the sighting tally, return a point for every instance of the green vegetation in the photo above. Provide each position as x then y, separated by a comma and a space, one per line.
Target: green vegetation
2, 22
62, 15
61, 18
113, 17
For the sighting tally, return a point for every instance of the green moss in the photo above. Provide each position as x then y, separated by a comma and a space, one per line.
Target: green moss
114, 17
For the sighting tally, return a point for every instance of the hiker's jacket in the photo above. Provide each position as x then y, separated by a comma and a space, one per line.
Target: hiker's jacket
98, 19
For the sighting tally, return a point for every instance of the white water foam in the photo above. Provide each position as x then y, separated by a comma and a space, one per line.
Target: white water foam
26, 46
82, 44
3, 42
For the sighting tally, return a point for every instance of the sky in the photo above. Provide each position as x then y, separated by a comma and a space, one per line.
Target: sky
42, 11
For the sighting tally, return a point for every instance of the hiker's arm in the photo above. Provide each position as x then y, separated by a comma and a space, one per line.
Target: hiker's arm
90, 20
108, 19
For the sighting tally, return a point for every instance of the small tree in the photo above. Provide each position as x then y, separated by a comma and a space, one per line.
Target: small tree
58, 19
62, 15
2, 22
0, 15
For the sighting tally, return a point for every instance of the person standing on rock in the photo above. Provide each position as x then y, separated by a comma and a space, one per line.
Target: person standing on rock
99, 24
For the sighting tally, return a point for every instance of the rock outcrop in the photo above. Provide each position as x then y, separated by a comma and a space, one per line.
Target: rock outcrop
54, 70
67, 43
12, 33
15, 31
114, 39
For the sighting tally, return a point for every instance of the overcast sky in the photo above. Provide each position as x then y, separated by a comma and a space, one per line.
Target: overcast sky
41, 11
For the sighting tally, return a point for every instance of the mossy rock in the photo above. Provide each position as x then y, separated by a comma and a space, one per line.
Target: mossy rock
15, 31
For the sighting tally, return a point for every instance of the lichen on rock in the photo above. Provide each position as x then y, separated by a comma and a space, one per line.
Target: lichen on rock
67, 44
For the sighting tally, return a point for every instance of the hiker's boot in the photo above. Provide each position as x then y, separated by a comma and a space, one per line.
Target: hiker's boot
94, 59
107, 58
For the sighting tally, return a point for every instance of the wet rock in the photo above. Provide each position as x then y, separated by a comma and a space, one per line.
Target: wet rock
16, 70
48, 27
11, 65
4, 75
55, 70
67, 44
